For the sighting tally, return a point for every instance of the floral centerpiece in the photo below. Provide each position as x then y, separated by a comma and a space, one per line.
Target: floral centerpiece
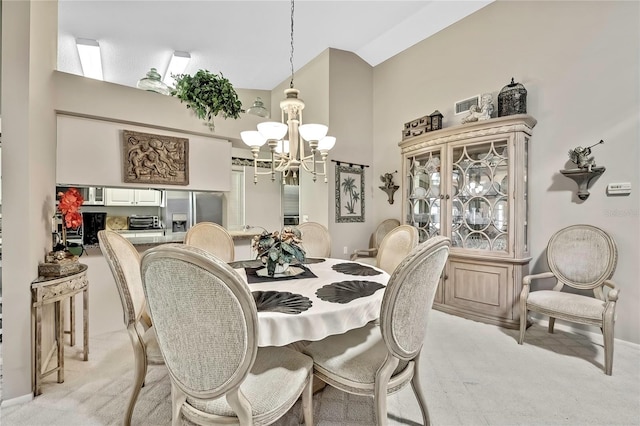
69, 208
278, 249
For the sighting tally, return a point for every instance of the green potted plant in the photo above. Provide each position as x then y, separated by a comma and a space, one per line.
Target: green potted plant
278, 249
208, 94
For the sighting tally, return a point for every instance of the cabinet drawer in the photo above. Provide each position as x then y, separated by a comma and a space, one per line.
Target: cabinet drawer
480, 287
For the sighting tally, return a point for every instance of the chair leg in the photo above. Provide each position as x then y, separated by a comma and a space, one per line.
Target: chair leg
523, 324
307, 401
380, 389
139, 374
418, 391
241, 406
607, 334
177, 399
552, 322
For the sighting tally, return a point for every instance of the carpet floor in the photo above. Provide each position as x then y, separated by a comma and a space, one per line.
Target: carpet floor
473, 374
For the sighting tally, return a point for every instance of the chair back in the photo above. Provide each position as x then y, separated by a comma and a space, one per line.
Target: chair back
409, 297
124, 261
381, 231
204, 316
213, 238
316, 240
582, 256
395, 246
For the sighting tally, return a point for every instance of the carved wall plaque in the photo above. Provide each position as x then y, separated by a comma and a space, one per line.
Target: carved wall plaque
157, 159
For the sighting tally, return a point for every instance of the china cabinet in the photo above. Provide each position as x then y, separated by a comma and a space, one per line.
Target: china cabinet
469, 183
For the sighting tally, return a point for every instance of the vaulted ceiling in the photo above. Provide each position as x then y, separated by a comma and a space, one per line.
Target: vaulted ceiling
248, 41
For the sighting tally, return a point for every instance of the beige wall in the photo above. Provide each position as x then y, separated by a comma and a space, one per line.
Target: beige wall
29, 36
351, 107
99, 144
579, 64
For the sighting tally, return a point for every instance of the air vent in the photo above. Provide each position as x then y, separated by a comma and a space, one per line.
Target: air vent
464, 105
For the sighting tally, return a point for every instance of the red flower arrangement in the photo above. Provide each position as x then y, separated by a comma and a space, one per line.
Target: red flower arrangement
69, 205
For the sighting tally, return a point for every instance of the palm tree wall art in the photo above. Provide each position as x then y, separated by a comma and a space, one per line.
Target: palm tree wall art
349, 194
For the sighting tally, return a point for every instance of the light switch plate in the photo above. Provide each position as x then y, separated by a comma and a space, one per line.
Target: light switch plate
620, 188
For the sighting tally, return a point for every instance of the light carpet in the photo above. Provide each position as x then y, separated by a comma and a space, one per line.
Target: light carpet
473, 373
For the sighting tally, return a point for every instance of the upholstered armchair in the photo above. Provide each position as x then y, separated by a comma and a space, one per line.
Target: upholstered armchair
582, 257
213, 238
381, 358
218, 374
316, 240
369, 255
124, 261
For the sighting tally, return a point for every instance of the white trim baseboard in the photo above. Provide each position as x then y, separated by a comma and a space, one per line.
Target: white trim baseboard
573, 328
17, 400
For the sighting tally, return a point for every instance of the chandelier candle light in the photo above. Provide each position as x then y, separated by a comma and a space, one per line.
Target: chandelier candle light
288, 155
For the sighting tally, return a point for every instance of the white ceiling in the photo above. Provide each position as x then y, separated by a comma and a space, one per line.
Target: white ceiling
248, 41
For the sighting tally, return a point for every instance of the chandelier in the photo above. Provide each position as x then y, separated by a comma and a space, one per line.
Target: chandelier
286, 138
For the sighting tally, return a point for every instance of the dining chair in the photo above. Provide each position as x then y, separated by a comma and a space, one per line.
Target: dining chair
395, 246
383, 357
370, 255
583, 257
124, 261
315, 239
213, 238
218, 373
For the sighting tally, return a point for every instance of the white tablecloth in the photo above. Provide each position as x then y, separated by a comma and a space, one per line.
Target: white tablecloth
322, 318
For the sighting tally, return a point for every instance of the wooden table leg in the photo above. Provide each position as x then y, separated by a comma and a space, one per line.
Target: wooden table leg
72, 319
59, 326
85, 322
38, 356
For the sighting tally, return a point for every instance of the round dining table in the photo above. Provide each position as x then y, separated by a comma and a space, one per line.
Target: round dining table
314, 300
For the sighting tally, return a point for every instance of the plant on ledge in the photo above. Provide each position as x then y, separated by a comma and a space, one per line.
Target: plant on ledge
279, 248
208, 95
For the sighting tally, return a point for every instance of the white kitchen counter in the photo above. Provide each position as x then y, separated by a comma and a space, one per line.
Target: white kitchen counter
178, 237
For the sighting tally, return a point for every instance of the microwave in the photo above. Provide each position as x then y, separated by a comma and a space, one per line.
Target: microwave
144, 222
93, 195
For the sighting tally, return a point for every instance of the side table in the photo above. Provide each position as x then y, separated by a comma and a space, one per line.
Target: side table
45, 290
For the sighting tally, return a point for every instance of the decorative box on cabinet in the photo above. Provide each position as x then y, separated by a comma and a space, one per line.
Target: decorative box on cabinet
469, 183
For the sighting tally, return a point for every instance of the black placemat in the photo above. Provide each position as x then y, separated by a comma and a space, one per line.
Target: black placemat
351, 268
346, 291
253, 263
281, 301
310, 260
253, 277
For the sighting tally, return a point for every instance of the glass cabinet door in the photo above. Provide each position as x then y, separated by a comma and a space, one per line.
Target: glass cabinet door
424, 194
480, 187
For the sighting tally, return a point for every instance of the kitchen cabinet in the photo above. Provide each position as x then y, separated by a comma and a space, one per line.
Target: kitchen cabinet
469, 183
132, 197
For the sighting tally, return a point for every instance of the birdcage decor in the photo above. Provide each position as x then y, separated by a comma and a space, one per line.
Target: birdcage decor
512, 99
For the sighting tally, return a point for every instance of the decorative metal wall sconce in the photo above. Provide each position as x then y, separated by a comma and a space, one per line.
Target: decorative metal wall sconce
389, 187
587, 172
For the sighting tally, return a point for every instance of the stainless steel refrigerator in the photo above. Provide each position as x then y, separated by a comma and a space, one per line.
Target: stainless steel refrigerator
184, 209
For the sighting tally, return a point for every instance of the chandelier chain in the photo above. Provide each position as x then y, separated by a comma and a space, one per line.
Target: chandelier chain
291, 56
